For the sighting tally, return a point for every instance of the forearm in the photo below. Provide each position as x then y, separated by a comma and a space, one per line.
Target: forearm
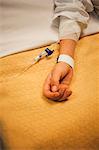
67, 47
72, 18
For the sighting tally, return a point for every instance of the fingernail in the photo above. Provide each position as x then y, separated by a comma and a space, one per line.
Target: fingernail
54, 88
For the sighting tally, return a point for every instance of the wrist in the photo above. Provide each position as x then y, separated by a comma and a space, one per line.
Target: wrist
67, 47
65, 65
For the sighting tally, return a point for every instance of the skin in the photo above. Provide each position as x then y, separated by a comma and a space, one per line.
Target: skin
56, 85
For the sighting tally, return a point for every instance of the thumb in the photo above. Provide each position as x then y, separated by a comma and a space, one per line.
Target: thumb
55, 81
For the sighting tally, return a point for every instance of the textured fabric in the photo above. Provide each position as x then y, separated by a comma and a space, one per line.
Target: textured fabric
72, 17
96, 6
29, 121
27, 24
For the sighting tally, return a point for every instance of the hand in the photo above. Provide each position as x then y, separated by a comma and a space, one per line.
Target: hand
56, 86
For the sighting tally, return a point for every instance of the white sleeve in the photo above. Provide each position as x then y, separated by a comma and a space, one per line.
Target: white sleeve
71, 17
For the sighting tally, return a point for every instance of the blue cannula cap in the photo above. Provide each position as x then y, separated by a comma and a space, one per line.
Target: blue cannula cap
49, 52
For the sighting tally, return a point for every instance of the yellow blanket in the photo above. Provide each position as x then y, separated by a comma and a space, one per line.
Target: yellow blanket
29, 121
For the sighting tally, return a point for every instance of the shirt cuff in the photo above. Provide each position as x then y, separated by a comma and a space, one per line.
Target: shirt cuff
69, 29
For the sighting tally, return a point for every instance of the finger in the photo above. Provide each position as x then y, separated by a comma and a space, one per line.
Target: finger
51, 95
46, 89
66, 94
55, 78
68, 77
47, 82
61, 93
62, 89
